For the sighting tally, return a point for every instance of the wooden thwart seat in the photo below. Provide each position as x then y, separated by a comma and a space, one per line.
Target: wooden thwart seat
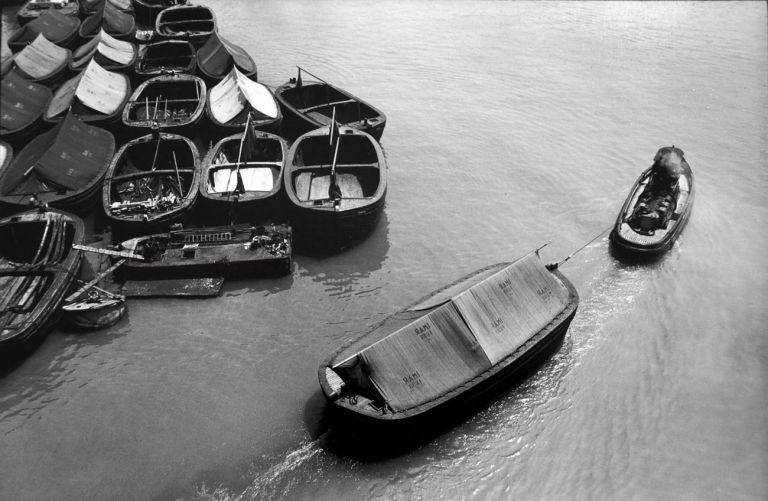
325, 105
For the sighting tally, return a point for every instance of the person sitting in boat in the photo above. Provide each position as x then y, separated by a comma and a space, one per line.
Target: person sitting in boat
658, 200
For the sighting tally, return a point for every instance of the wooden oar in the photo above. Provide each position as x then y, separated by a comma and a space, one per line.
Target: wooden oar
108, 252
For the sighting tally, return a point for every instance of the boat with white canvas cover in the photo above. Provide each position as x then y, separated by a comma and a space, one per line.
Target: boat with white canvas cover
22, 104
52, 24
42, 61
231, 101
111, 54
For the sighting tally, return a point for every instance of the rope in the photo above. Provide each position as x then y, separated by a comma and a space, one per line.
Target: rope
554, 266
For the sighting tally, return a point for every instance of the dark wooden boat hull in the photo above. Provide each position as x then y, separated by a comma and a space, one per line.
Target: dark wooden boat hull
625, 240
168, 119
28, 12
93, 317
460, 401
25, 35
194, 23
91, 26
297, 122
47, 311
164, 57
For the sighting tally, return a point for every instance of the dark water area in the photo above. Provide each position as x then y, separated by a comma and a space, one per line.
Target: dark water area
510, 124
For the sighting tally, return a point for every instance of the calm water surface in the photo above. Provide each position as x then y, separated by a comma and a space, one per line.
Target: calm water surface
510, 124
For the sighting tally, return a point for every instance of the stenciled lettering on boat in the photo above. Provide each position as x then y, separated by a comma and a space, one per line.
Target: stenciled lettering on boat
497, 324
544, 293
424, 331
506, 286
413, 380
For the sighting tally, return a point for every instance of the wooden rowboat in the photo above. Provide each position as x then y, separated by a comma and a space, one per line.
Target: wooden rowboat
110, 53
63, 168
110, 19
231, 101
151, 184
170, 102
217, 57
148, 10
42, 61
309, 105
88, 7
166, 57
52, 24
322, 215
37, 267
222, 251
22, 104
656, 210
95, 96
32, 9
451, 350
194, 23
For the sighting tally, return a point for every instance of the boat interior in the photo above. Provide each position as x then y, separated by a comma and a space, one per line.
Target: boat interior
317, 101
36, 242
258, 173
646, 204
170, 102
189, 19
357, 168
168, 55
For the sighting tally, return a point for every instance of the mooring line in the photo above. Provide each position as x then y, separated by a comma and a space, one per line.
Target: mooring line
554, 266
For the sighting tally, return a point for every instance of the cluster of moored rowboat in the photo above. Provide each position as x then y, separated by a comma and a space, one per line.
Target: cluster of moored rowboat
141, 113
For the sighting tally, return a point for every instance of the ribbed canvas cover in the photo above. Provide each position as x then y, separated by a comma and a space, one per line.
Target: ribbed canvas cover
114, 49
218, 55
41, 58
507, 308
21, 102
102, 90
424, 359
116, 20
230, 96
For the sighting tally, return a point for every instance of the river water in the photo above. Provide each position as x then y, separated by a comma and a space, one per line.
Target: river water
510, 124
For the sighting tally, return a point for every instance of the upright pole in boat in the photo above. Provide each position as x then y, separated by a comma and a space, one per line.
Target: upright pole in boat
178, 177
334, 192
240, 153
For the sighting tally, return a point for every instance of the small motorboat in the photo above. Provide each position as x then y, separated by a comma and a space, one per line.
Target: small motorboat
22, 104
217, 57
63, 168
194, 23
169, 102
151, 184
166, 57
242, 177
110, 53
95, 96
449, 351
336, 195
52, 24
237, 99
37, 268
309, 105
32, 9
658, 206
42, 61
225, 251
112, 20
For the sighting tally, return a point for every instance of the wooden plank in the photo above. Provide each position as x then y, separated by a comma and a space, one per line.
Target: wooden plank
93, 282
108, 252
184, 287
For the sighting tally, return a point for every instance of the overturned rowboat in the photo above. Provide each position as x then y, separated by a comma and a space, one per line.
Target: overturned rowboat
166, 57
110, 53
226, 251
452, 349
42, 62
22, 104
309, 105
52, 24
218, 56
168, 102
37, 267
236, 97
64, 168
658, 206
151, 184
194, 23
95, 96
32, 9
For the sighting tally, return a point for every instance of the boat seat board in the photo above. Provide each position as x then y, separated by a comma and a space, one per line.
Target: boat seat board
425, 359
310, 186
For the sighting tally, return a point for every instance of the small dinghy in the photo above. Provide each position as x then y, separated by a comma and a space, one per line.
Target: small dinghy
336, 194
22, 104
223, 251
309, 105
32, 9
63, 168
658, 206
37, 268
186, 22
52, 24
151, 184
242, 176
444, 354
41, 61
237, 99
111, 54
168, 102
95, 96
110, 19
217, 57
166, 57
91, 307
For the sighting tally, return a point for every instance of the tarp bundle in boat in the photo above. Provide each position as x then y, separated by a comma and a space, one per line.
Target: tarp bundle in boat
465, 336
21, 102
73, 155
42, 58
217, 56
52, 24
97, 88
230, 96
118, 52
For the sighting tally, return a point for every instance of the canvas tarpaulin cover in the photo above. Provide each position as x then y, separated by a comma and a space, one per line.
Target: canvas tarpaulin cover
218, 55
424, 359
52, 24
115, 50
21, 101
102, 90
41, 58
230, 96
254, 179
